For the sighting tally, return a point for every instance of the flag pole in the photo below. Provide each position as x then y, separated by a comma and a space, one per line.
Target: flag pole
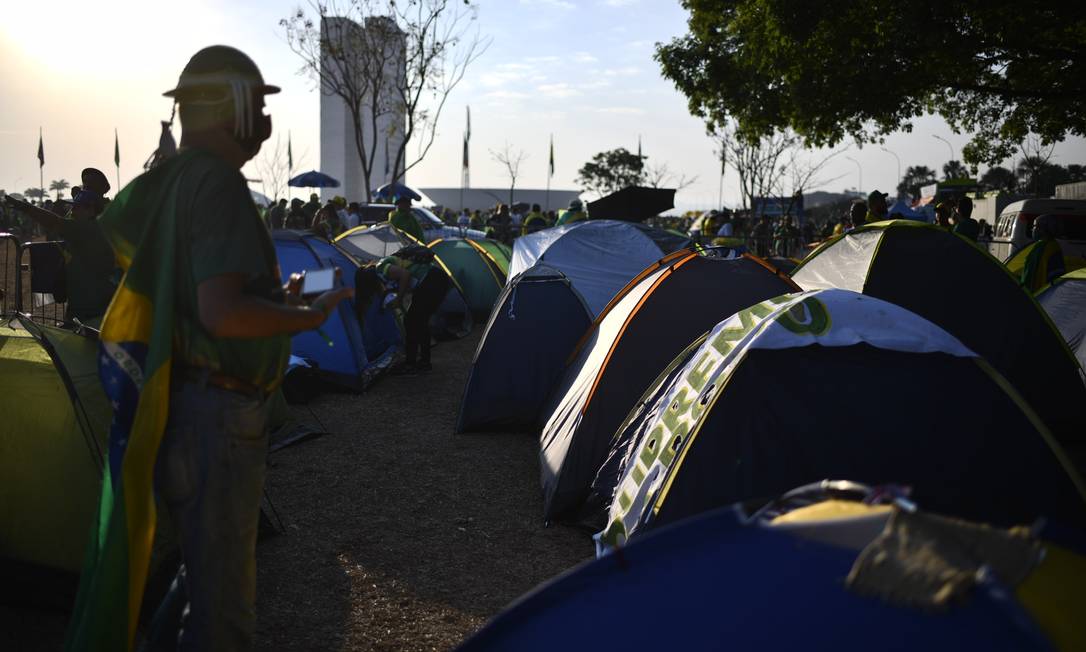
550, 173
41, 168
462, 172
117, 157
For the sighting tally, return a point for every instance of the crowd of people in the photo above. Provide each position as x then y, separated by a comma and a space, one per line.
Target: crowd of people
773, 235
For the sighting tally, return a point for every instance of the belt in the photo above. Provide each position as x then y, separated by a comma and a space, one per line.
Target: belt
205, 376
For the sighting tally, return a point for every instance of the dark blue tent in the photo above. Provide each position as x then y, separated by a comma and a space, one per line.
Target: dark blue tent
352, 350
710, 583
535, 325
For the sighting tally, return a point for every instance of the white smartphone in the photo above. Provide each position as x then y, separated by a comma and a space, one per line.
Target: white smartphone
317, 281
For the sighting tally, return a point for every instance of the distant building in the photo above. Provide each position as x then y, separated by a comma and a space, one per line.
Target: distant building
483, 198
1076, 190
339, 154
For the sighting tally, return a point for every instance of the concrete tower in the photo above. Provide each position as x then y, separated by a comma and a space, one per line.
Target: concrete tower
339, 154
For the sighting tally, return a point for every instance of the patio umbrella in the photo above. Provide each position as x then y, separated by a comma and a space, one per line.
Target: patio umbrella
313, 179
390, 190
632, 204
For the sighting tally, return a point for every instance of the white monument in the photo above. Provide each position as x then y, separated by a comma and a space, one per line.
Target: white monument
339, 153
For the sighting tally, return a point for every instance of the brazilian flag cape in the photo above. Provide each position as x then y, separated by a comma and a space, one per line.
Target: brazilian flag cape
134, 367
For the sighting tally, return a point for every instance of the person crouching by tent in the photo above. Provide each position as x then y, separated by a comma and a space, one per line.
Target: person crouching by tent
420, 287
403, 219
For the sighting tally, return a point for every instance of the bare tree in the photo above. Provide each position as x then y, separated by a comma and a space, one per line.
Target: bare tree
756, 162
800, 173
511, 159
274, 170
660, 176
392, 63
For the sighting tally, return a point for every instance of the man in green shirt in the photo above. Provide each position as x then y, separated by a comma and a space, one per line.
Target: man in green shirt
404, 219
231, 328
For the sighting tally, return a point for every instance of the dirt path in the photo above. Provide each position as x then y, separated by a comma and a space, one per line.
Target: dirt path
402, 535
399, 534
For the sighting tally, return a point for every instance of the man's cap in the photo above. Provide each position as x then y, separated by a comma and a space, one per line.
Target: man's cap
218, 67
575, 204
964, 200
313, 196
94, 179
876, 195
339, 201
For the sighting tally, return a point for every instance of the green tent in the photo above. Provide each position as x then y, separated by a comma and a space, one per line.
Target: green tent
476, 272
499, 252
52, 443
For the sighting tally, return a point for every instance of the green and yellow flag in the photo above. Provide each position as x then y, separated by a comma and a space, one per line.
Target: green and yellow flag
134, 367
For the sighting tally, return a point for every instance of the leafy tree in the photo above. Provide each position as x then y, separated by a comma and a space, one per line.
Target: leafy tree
34, 193
954, 170
1041, 177
58, 185
830, 70
612, 170
916, 177
1076, 172
999, 178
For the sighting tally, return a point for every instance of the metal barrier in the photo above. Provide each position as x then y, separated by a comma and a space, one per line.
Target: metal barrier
36, 296
10, 274
18, 290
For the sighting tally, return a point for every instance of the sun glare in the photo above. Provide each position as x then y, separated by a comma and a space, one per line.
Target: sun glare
97, 41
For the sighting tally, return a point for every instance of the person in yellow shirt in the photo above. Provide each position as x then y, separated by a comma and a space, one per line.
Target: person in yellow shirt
575, 213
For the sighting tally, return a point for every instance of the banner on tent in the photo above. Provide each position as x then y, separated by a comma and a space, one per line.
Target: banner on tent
831, 318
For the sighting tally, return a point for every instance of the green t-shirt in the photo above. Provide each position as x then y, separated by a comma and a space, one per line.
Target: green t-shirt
568, 217
405, 221
219, 231
88, 270
418, 271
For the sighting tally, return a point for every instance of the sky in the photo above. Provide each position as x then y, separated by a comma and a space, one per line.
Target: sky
578, 70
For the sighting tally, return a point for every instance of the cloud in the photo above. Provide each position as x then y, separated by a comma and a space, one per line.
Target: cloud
584, 57
557, 90
556, 4
626, 71
550, 58
619, 3
506, 95
621, 110
496, 78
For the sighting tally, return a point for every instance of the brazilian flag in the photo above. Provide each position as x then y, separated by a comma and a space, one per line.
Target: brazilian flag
134, 367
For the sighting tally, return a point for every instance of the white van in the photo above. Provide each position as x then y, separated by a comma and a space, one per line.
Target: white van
1012, 230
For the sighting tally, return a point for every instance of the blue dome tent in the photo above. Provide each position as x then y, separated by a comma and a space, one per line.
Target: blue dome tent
353, 352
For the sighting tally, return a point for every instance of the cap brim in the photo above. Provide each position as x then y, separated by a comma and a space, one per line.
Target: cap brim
266, 89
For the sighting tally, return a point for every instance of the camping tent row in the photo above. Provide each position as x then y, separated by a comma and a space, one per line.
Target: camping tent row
594, 400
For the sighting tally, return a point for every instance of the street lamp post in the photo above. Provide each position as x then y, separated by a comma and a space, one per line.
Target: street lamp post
896, 158
860, 169
947, 144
